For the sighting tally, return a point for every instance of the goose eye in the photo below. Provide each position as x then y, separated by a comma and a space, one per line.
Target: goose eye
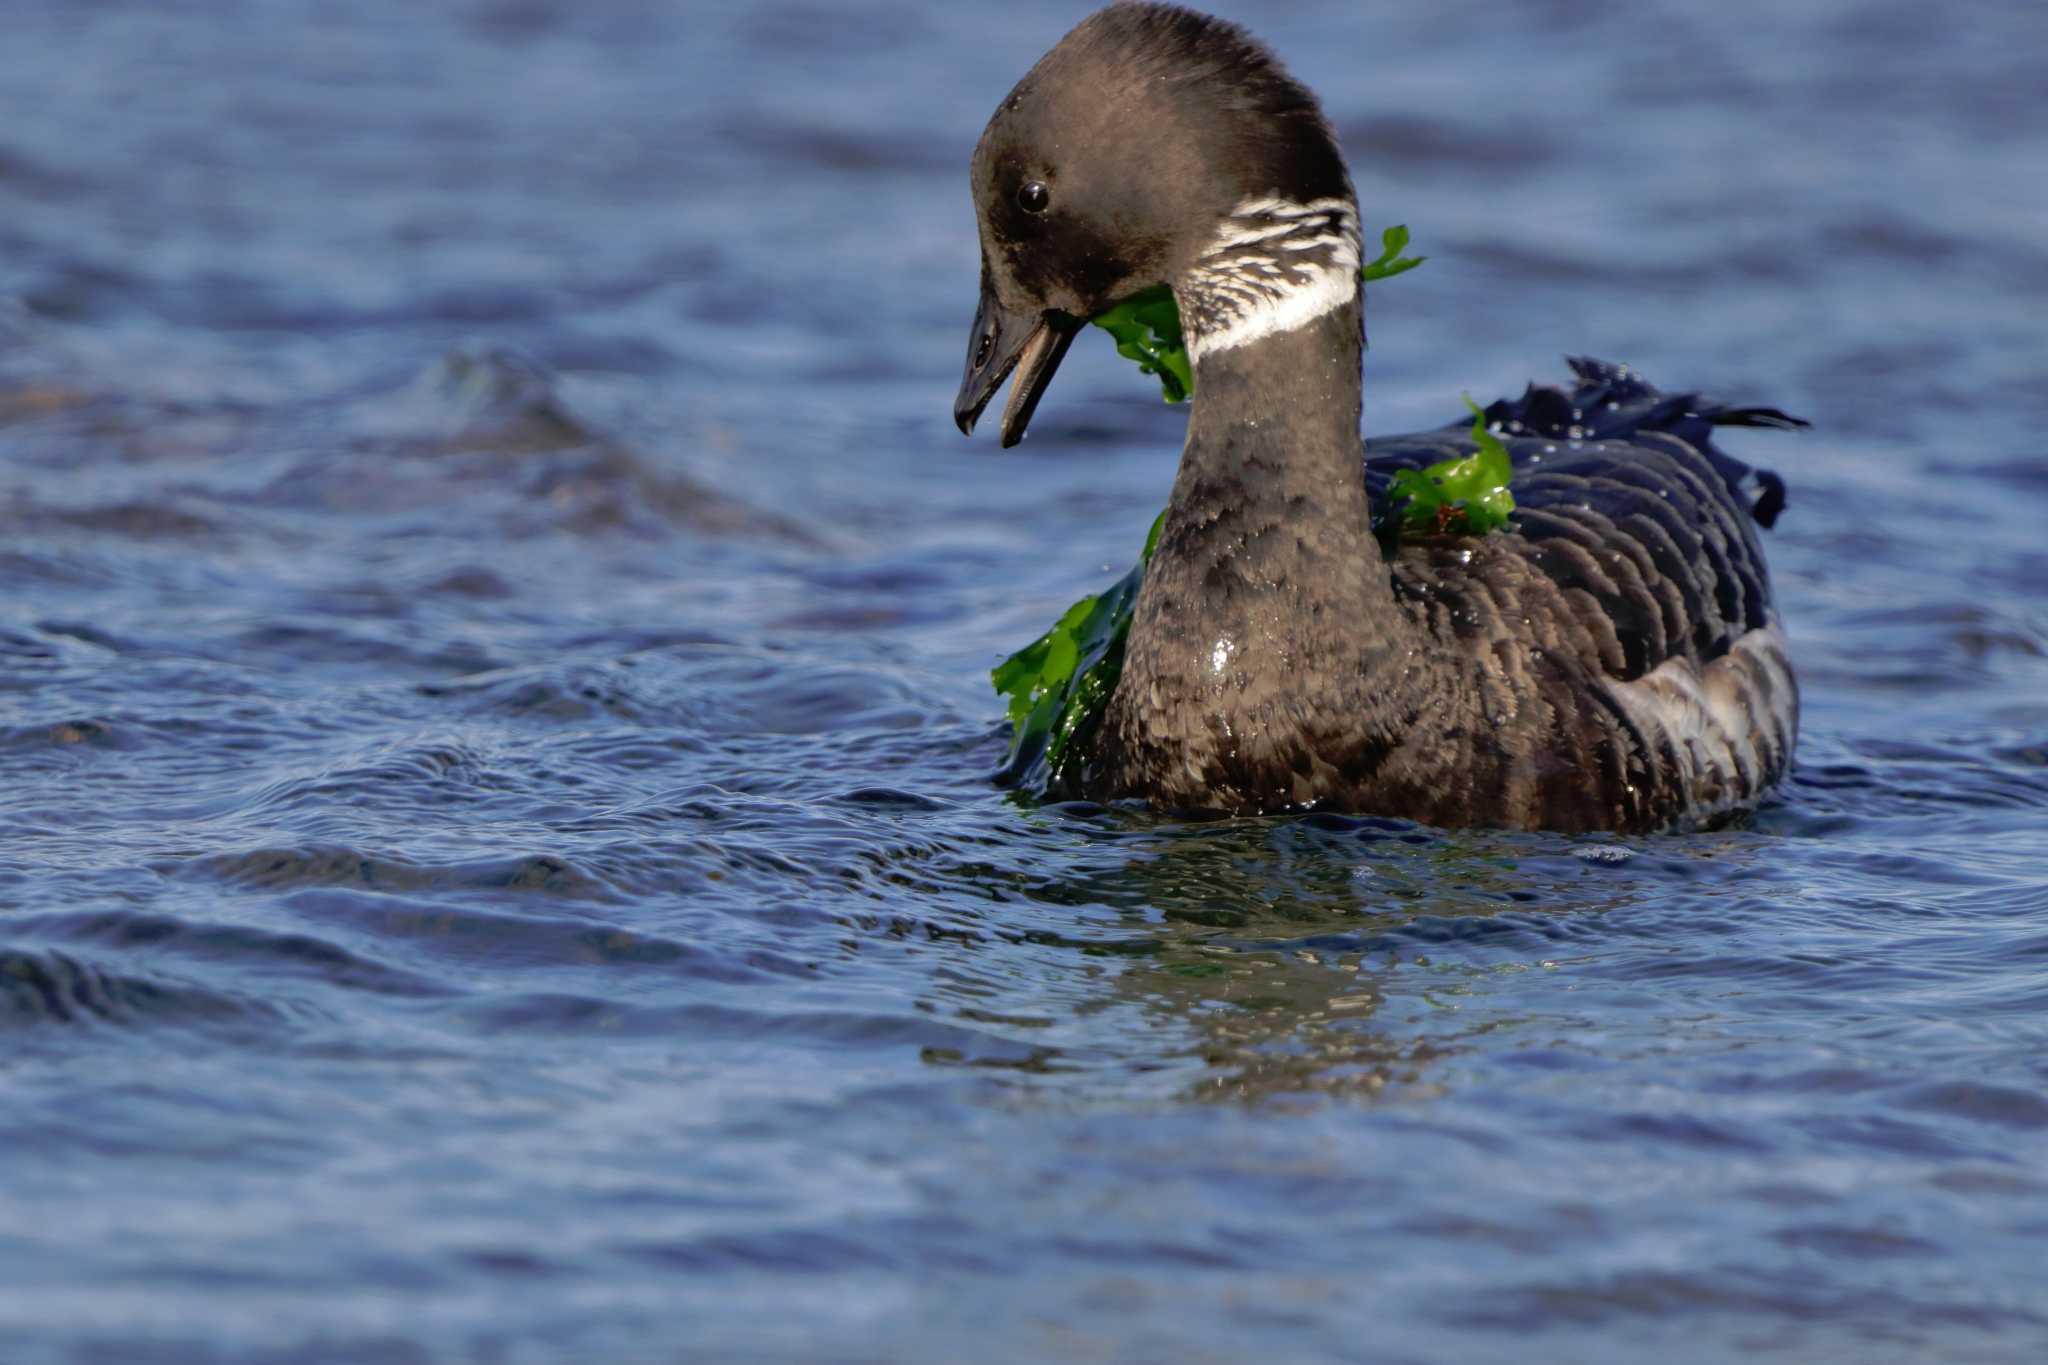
1033, 197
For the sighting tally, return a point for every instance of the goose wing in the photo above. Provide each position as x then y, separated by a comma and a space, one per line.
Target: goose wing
1626, 613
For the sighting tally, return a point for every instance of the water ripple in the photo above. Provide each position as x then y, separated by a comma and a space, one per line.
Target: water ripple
497, 858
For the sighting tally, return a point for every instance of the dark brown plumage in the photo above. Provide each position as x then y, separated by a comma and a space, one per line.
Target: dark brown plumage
1611, 661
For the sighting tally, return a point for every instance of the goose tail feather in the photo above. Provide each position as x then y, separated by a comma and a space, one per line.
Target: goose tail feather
1609, 402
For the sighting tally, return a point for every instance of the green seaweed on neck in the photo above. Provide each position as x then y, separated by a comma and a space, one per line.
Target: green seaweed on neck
1146, 326
1390, 261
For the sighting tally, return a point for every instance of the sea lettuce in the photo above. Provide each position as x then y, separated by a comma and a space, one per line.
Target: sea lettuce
1146, 326
1059, 684
1467, 496
1147, 330
1390, 261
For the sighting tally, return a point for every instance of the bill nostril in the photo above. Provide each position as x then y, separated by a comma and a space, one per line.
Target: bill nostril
988, 343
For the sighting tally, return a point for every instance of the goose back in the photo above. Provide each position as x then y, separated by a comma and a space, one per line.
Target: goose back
1629, 667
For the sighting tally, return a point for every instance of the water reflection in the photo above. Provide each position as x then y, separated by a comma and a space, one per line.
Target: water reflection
1261, 953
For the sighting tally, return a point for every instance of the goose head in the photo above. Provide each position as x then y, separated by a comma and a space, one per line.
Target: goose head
1152, 146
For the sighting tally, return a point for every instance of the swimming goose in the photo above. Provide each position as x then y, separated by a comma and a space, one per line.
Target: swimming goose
1609, 660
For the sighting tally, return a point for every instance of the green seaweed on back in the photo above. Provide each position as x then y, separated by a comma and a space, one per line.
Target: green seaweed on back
1465, 496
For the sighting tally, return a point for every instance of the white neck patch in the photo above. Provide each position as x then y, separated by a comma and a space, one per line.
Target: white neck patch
1274, 265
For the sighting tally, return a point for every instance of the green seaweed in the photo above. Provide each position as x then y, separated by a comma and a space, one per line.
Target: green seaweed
1059, 684
1390, 262
1146, 326
1465, 496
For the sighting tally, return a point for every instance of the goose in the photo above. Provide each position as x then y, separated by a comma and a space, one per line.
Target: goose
1611, 659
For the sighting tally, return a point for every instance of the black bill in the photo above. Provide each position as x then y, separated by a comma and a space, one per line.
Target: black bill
1002, 341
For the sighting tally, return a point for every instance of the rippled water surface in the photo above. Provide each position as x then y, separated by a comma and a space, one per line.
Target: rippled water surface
496, 854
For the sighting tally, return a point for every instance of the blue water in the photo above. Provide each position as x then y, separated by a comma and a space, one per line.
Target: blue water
496, 854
